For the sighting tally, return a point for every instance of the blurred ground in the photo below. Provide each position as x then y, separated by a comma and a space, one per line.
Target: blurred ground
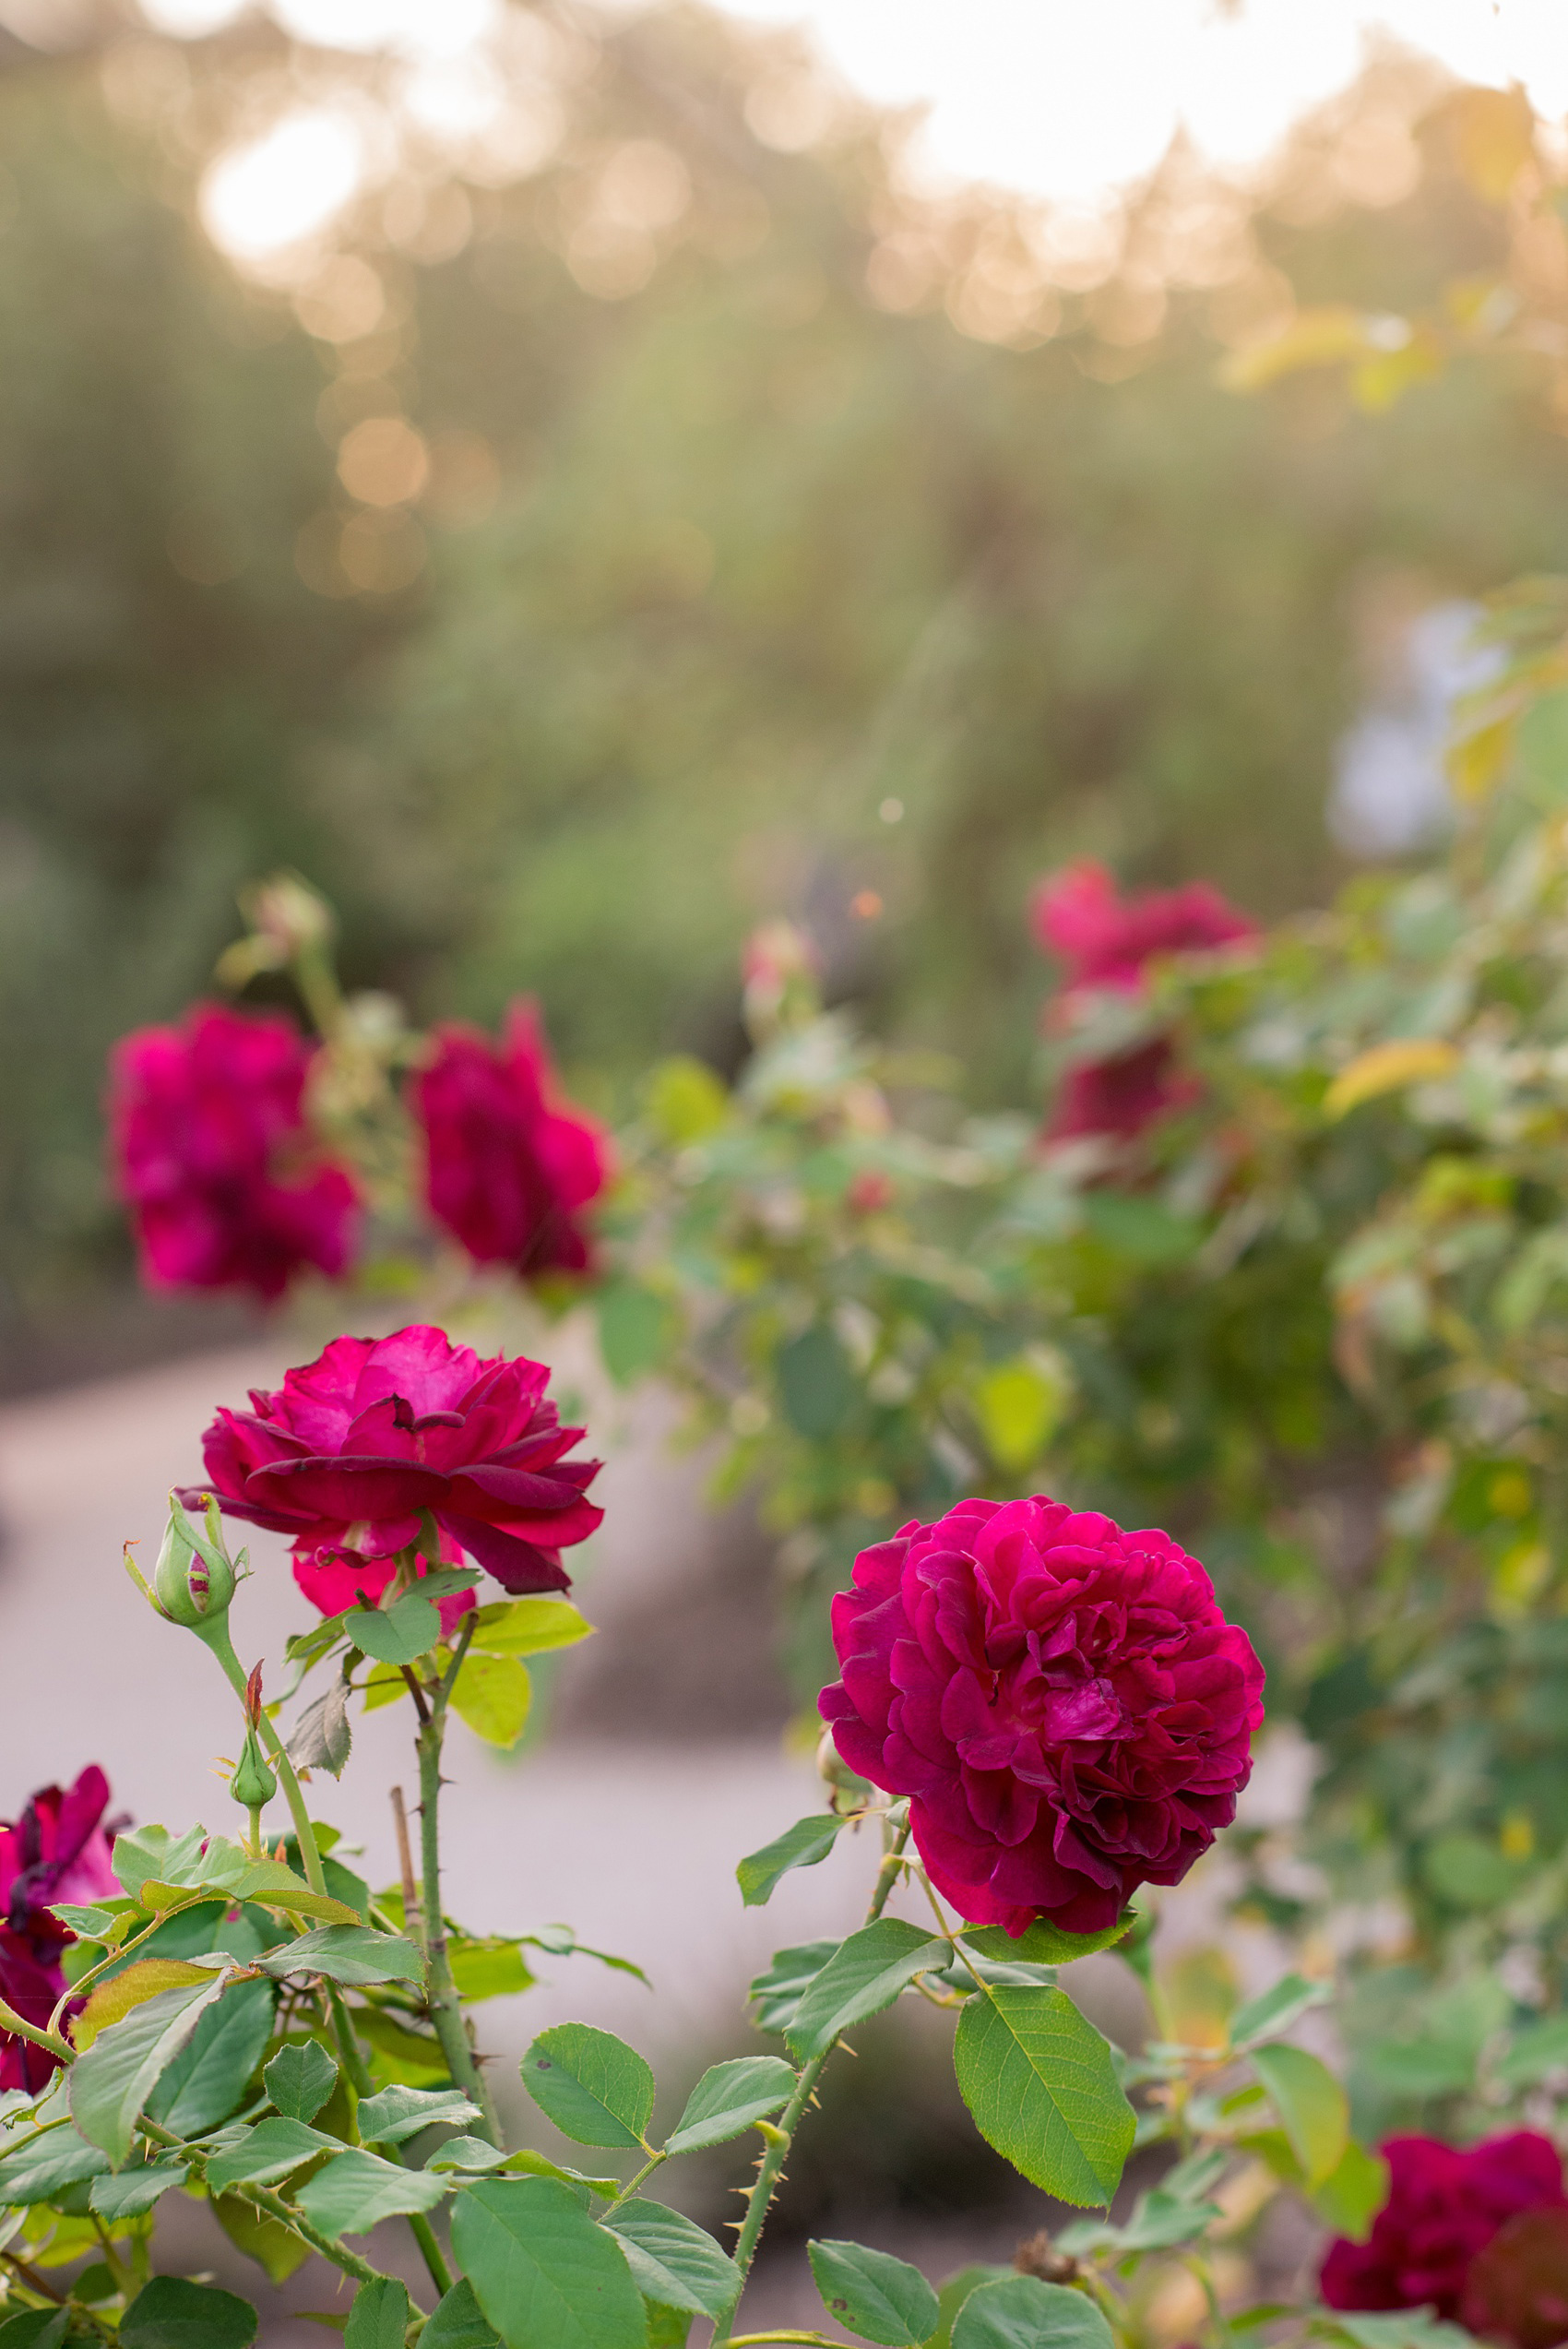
664, 1764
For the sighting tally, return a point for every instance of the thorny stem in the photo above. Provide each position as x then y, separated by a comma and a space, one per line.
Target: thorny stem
413, 1921
273, 2206
11, 2021
779, 2137
446, 2008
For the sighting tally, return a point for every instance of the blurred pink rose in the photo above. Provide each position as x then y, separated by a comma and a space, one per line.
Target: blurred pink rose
508, 1166
58, 1850
213, 1157
1064, 1704
349, 1455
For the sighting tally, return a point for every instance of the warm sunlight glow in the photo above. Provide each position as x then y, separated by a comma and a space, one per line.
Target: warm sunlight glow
259, 199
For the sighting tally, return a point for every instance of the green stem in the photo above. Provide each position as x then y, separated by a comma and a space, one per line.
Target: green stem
630, 2189
778, 2137
275, 2207
424, 2235
11, 2021
446, 2007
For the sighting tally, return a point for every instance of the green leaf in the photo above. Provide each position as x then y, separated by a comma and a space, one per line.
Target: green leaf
352, 1953
87, 1923
1312, 2105
493, 1968
213, 1864
322, 1738
1019, 1406
543, 2273
1042, 2088
1021, 2313
210, 2075
955, 2290
54, 2158
865, 1973
300, 2079
881, 2299
169, 2313
465, 2154
146, 1851
400, 2054
35, 2328
529, 1628
1352, 2194
109, 2084
399, 1634
1538, 2048
596, 2089
541, 2165
667, 2328
728, 2098
635, 1329
816, 1384
802, 1845
267, 2152
276, 2249
1043, 1944
401, 2112
675, 2262
379, 2317
777, 1993
1269, 2016
131, 1987
562, 1942
357, 2190
129, 2192
459, 2324
492, 1695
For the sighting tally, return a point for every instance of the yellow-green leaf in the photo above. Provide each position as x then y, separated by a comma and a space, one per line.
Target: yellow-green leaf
493, 1696
1018, 1405
1313, 2108
529, 1628
112, 1999
1386, 1068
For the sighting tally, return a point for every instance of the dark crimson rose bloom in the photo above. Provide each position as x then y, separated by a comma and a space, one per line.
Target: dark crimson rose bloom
58, 1850
1517, 2288
509, 1166
1064, 1702
351, 1450
1442, 2207
1105, 941
213, 1157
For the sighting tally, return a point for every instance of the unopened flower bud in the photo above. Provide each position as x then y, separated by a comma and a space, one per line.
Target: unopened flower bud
194, 1579
253, 1783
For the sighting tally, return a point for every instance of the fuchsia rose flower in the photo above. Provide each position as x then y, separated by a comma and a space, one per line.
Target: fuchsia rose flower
1105, 941
58, 1850
508, 1166
1064, 1704
213, 1156
349, 1455
1442, 2207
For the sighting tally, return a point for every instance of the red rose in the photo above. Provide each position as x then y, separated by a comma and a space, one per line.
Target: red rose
508, 1166
213, 1156
1064, 1702
1442, 2207
1105, 942
58, 1850
352, 1450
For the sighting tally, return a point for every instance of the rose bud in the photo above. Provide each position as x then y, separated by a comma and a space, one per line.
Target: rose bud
253, 1783
194, 1579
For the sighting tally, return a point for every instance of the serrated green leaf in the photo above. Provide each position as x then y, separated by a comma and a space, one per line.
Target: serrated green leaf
399, 2112
87, 1923
535, 2164
352, 1953
126, 2193
56, 2157
465, 2154
1043, 1943
210, 2075
300, 2079
728, 2098
323, 1738
273, 2149
459, 2324
494, 1968
115, 1999
881, 2299
109, 2084
357, 2190
544, 2274
1021, 2313
399, 1634
596, 2089
675, 2262
865, 1973
35, 2328
144, 1851
804, 1845
1042, 2088
529, 1628
1269, 2016
169, 2313
492, 1694
379, 2317
776, 1994
1312, 2104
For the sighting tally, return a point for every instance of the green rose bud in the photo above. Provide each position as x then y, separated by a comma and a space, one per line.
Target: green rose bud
253, 1783
194, 1579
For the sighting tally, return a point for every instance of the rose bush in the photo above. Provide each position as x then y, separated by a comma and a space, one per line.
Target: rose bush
508, 1166
356, 1450
1064, 1704
213, 1155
